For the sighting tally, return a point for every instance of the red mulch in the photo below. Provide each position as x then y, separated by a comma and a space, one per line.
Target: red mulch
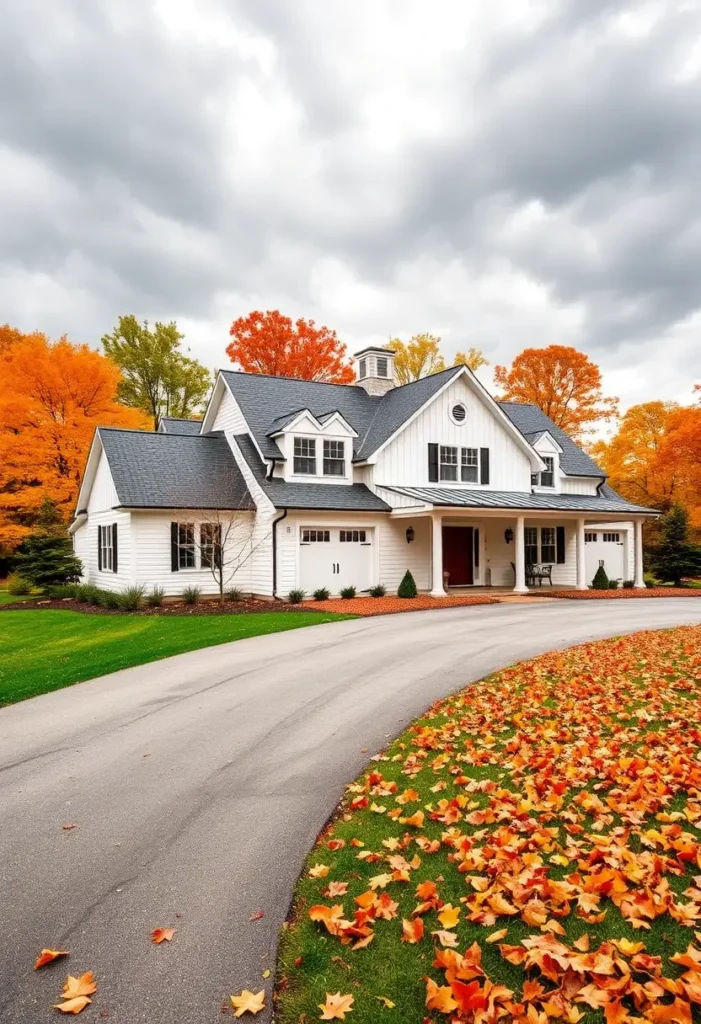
605, 595
388, 605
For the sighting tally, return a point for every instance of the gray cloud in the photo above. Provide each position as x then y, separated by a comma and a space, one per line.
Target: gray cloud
380, 168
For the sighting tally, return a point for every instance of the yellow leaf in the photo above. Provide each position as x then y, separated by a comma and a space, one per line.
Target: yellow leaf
449, 916
336, 1006
386, 1002
497, 936
319, 871
248, 1002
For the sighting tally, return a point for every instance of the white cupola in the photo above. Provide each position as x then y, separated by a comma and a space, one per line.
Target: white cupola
374, 369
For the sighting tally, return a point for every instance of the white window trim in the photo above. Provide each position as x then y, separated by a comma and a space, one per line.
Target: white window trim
539, 544
459, 482
106, 548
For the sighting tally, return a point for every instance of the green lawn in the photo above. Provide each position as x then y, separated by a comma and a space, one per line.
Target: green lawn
6, 598
45, 650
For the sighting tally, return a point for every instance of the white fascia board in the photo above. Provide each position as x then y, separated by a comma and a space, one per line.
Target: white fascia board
547, 436
89, 472
212, 407
482, 393
336, 417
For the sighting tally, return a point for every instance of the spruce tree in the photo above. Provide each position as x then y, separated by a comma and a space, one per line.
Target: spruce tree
675, 558
46, 557
407, 588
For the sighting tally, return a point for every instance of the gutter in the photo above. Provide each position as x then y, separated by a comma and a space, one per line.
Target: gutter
275, 522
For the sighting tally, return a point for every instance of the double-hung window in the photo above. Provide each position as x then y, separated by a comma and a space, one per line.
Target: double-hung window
305, 455
334, 458
469, 466
547, 477
547, 544
210, 545
186, 546
448, 463
105, 540
530, 540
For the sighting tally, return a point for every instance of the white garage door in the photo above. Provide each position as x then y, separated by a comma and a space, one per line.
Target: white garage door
335, 558
607, 547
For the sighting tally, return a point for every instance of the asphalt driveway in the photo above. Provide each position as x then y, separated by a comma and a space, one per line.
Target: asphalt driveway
198, 784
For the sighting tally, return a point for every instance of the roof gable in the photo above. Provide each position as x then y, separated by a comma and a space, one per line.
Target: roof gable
179, 425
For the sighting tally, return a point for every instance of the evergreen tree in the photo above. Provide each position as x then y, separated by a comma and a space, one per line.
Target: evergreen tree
407, 588
675, 557
46, 557
601, 580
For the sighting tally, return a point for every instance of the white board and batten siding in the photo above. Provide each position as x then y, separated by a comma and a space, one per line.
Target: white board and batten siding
405, 459
229, 417
579, 484
103, 496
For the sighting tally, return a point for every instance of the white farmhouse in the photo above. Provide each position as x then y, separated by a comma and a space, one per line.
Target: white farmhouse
336, 485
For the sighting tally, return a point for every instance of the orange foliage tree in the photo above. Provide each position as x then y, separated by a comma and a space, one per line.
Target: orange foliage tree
271, 343
561, 381
655, 456
53, 396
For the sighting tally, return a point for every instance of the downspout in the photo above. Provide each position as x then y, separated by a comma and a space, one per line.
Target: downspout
275, 522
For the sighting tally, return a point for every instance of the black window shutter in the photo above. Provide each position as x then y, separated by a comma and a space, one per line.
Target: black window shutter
560, 538
477, 549
484, 465
433, 463
99, 548
114, 547
174, 547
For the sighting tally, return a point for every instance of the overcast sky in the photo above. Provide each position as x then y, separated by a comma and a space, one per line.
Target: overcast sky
502, 173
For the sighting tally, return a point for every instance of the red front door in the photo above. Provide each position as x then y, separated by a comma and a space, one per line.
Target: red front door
457, 555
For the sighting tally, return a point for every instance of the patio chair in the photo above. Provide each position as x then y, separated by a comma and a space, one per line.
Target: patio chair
545, 573
530, 574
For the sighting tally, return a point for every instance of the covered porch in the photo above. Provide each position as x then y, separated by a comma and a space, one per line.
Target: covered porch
496, 552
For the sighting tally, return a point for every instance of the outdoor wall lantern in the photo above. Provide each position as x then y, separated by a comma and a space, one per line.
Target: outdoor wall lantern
410, 534
508, 536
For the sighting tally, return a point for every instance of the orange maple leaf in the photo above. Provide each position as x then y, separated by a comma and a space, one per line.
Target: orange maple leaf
47, 956
75, 1005
159, 935
336, 1006
412, 931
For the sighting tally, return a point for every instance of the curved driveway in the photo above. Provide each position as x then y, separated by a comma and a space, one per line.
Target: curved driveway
199, 783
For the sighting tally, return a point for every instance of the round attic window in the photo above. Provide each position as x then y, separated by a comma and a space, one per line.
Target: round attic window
458, 413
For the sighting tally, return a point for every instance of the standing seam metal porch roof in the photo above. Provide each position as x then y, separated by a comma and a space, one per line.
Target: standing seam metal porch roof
457, 497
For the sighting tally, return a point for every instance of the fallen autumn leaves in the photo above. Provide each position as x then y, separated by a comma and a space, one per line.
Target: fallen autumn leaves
544, 825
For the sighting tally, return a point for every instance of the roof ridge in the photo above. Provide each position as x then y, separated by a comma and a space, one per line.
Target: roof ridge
298, 380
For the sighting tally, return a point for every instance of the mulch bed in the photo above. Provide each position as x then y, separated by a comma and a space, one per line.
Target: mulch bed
388, 605
176, 608
607, 595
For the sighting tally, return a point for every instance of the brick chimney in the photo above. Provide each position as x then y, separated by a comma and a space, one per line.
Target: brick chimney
374, 370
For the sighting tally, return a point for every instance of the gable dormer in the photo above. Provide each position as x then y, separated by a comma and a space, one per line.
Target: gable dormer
374, 370
550, 450
315, 448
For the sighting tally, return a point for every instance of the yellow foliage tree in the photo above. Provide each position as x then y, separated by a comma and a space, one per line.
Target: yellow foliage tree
421, 356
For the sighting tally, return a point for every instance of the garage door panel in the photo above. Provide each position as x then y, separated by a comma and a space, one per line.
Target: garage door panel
336, 558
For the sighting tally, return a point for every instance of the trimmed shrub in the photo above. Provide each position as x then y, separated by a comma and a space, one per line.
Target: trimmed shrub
191, 595
17, 585
348, 592
378, 591
87, 593
295, 596
154, 598
613, 584
601, 580
109, 598
322, 594
58, 592
132, 598
234, 594
628, 584
407, 588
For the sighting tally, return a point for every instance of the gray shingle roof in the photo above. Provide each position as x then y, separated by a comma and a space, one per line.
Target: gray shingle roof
153, 470
532, 421
269, 401
178, 425
465, 498
338, 497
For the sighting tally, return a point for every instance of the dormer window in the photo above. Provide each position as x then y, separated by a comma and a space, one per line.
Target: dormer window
547, 477
382, 363
362, 369
305, 455
334, 458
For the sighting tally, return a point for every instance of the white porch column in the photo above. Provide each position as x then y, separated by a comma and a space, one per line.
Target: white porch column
581, 560
437, 589
639, 580
519, 558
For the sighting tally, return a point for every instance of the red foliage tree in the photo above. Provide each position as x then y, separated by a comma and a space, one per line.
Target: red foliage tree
271, 343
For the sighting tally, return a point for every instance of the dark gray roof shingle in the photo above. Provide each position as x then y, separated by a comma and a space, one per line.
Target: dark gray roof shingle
270, 402
328, 497
152, 470
532, 422
177, 425
466, 498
